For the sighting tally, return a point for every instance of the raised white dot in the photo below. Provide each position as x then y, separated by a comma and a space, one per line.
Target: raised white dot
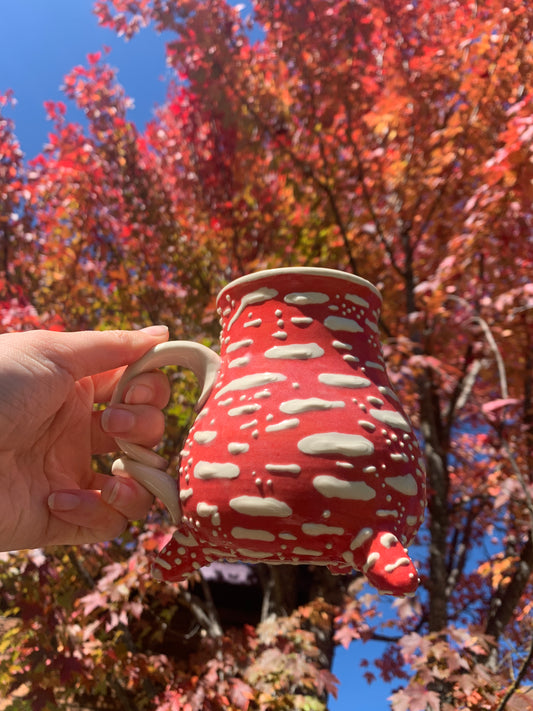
331, 487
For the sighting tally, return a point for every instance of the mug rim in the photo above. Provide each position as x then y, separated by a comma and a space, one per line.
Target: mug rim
313, 271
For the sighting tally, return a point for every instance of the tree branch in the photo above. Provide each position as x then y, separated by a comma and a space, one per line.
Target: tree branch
519, 678
506, 599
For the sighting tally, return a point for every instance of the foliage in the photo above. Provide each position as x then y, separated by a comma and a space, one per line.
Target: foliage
387, 138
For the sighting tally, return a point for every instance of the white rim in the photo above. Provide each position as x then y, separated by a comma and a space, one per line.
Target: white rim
313, 271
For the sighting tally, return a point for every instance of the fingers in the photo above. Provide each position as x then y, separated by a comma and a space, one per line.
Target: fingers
138, 420
141, 424
101, 515
84, 353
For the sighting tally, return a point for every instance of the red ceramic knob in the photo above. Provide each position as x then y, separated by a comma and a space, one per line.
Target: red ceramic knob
301, 452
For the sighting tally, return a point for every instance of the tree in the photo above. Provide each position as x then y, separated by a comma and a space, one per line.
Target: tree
389, 139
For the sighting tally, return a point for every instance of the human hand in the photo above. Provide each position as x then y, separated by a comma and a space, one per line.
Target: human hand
49, 429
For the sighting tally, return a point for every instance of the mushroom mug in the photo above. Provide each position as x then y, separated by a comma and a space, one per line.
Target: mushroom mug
301, 452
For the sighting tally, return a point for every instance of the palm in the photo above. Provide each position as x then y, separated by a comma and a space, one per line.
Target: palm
49, 432
53, 454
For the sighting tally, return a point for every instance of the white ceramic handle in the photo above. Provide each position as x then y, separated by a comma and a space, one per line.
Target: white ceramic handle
142, 464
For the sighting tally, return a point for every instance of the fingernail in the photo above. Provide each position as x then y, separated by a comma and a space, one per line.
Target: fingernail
138, 395
110, 495
63, 501
158, 330
116, 420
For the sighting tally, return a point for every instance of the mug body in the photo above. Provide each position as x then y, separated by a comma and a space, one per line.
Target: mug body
302, 452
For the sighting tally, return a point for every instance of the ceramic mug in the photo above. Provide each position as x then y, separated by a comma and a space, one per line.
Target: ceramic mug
300, 452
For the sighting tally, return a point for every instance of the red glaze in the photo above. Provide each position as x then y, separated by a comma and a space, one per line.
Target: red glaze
302, 453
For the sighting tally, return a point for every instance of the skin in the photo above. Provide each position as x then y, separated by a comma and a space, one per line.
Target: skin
49, 430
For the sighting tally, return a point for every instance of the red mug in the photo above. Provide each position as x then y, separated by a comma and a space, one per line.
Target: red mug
300, 452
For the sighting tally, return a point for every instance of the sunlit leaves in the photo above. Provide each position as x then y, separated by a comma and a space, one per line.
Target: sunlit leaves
388, 138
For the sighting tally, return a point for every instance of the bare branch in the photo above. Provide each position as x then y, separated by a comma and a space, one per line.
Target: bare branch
519, 678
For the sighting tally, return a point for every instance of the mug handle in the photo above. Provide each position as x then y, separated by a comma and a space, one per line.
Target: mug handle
142, 464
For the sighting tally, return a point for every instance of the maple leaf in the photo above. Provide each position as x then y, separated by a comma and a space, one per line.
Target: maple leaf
415, 698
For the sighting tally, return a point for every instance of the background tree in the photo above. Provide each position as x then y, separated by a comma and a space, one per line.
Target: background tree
380, 137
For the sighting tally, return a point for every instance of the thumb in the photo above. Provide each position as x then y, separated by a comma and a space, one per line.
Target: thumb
83, 353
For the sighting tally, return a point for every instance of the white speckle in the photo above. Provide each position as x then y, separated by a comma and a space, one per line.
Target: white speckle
247, 382
278, 313
345, 465
392, 418
385, 513
308, 297
239, 362
375, 401
281, 335
226, 402
162, 563
238, 447
301, 320
349, 445
204, 437
350, 358
373, 364
189, 540
254, 297
247, 553
341, 346
297, 351
204, 509
372, 325
388, 392
338, 323
298, 550
247, 425
361, 538
216, 470
287, 537
262, 394
185, 494
388, 540
400, 562
367, 425
331, 487
348, 557
253, 534
244, 410
404, 484
283, 468
340, 380
358, 300
283, 425
260, 506
292, 407
371, 561
320, 529
239, 344
253, 324
399, 457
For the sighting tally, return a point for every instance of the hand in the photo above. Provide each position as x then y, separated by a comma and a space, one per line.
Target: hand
49, 429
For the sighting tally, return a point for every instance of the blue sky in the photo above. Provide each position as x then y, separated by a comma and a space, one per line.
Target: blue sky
40, 42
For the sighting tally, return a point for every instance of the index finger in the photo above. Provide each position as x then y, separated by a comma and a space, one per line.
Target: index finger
83, 353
